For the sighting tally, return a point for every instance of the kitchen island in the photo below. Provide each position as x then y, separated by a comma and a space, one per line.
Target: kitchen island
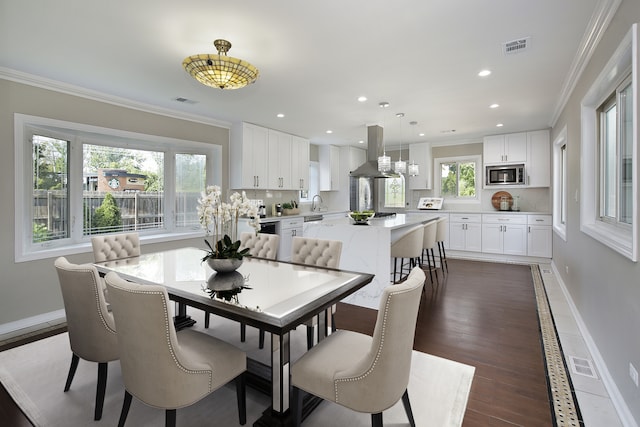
366, 248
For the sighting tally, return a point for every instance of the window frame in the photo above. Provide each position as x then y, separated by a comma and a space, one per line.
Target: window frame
625, 61
437, 185
560, 184
79, 134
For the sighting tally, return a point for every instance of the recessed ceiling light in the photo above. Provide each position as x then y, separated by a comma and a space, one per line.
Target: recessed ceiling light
280, 115
362, 98
361, 142
421, 134
329, 131
494, 105
499, 125
484, 73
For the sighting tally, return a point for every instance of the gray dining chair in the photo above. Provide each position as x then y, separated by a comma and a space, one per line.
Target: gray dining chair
260, 245
92, 330
318, 253
365, 373
109, 247
164, 368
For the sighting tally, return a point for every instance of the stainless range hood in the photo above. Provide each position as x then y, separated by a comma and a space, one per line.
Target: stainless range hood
375, 149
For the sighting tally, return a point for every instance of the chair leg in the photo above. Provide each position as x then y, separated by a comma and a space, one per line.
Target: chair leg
100, 390
170, 418
444, 256
72, 371
241, 397
407, 408
261, 339
296, 406
376, 420
309, 337
206, 319
435, 269
243, 332
126, 404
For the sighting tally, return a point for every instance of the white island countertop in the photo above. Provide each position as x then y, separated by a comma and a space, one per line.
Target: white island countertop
366, 248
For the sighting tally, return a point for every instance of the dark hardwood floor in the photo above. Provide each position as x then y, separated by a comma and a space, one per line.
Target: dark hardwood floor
484, 315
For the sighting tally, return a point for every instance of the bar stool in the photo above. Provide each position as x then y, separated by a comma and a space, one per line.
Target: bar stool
409, 246
428, 243
441, 234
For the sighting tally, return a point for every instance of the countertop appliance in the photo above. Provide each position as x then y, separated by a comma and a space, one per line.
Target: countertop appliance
430, 203
268, 227
505, 174
262, 211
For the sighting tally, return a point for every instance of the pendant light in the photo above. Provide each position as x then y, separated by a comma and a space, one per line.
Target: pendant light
414, 169
384, 161
400, 166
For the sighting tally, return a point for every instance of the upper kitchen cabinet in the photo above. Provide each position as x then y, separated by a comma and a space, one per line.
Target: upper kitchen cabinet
329, 157
279, 170
538, 168
300, 163
509, 148
248, 151
421, 154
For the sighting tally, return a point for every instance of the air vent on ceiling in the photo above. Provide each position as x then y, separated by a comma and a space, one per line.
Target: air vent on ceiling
516, 46
185, 100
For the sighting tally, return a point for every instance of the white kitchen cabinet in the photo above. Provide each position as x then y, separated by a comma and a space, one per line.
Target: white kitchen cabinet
288, 228
504, 234
299, 163
249, 156
465, 232
539, 236
538, 167
508, 148
329, 157
421, 154
279, 171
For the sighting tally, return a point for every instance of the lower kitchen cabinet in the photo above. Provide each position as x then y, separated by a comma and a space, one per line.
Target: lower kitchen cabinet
287, 229
465, 232
504, 234
539, 240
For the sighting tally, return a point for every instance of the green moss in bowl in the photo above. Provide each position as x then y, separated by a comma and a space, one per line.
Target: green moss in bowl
361, 217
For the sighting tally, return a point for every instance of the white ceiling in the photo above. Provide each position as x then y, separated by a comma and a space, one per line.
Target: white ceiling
315, 58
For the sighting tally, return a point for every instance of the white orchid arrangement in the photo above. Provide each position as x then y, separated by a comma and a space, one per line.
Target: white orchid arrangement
220, 220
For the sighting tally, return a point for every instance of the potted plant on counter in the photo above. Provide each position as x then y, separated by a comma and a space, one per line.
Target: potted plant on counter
290, 208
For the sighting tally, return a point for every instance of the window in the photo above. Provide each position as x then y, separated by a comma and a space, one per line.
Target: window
314, 183
457, 180
79, 180
394, 190
560, 184
609, 170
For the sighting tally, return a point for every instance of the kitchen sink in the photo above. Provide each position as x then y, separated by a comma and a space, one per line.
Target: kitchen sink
311, 218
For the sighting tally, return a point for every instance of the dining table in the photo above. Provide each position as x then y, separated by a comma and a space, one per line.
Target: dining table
273, 296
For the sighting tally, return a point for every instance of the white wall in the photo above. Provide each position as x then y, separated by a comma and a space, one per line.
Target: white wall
604, 286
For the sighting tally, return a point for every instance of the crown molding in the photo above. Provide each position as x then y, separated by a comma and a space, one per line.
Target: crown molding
602, 16
69, 89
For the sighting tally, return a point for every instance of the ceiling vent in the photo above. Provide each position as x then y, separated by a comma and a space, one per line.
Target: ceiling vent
516, 46
185, 100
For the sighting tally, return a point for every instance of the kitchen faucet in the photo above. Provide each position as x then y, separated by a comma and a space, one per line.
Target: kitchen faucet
313, 202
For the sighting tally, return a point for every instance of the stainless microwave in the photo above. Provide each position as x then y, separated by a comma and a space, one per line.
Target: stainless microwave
505, 175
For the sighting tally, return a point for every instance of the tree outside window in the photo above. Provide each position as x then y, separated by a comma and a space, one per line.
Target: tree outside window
458, 179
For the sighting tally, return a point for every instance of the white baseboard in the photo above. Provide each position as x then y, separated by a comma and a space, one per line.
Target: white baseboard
42, 320
626, 417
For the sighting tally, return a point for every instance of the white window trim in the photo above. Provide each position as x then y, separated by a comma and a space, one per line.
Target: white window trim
559, 193
436, 178
82, 133
624, 60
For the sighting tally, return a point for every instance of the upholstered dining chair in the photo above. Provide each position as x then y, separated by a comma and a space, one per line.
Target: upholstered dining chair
408, 246
164, 368
260, 245
109, 247
365, 373
92, 331
318, 253
428, 243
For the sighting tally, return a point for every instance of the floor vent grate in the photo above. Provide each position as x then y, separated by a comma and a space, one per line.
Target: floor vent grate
582, 366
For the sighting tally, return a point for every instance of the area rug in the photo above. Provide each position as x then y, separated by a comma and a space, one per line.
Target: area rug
34, 375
